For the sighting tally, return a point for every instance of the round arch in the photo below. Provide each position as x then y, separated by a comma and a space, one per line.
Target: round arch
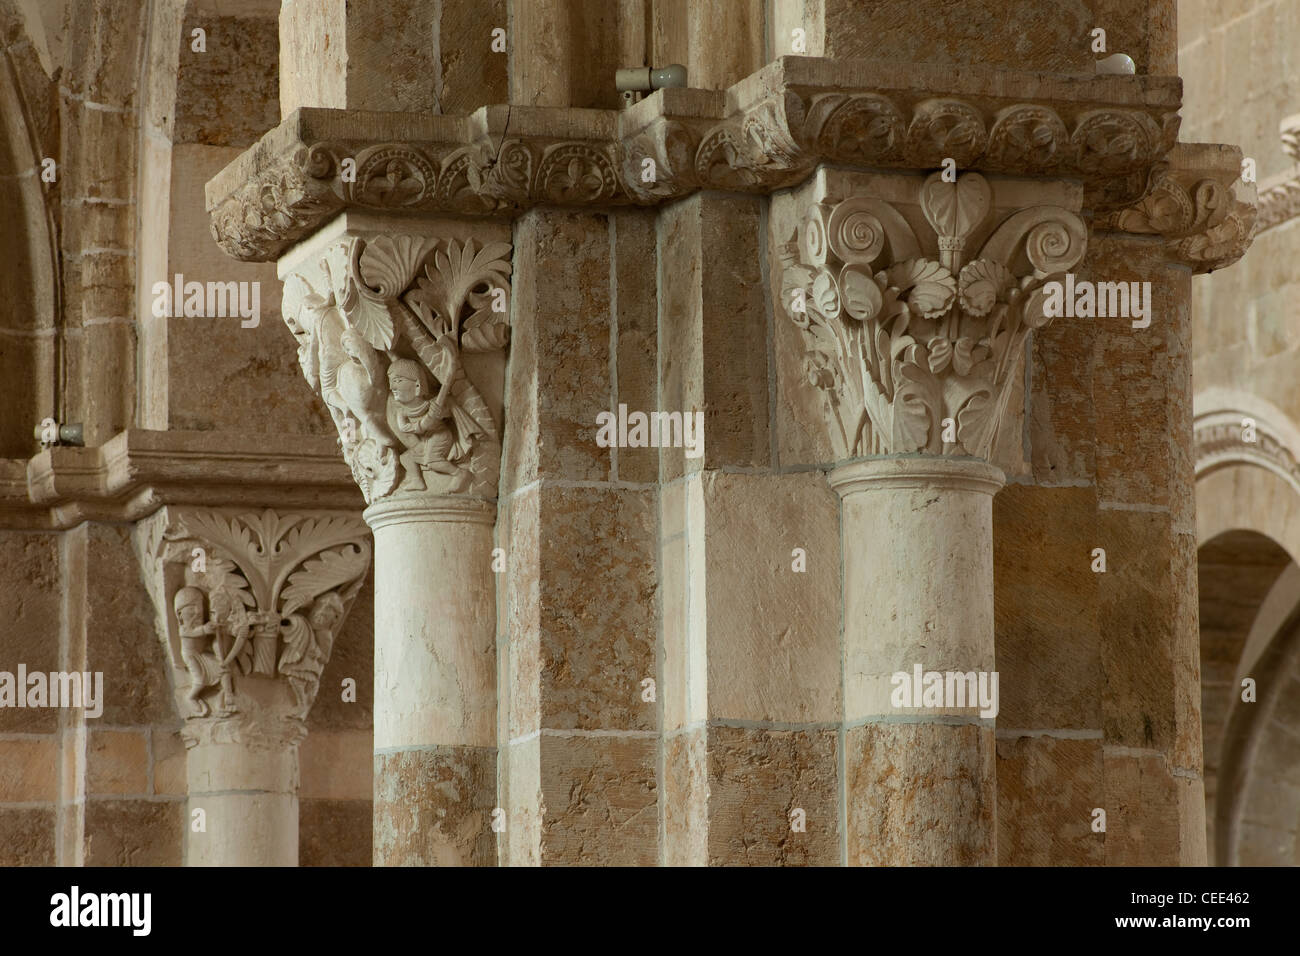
1248, 502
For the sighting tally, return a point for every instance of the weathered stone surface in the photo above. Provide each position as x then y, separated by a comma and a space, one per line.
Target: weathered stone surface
559, 378
637, 319
520, 786
352, 658
472, 74
433, 807
227, 96
334, 765
334, 832
757, 779
1047, 789
29, 770
1048, 625
601, 796
1051, 36
238, 378
30, 607
681, 370
117, 762
1138, 644
170, 773
1143, 816
522, 623
27, 836
686, 799
920, 795
120, 638
134, 833
774, 632
599, 618
1140, 399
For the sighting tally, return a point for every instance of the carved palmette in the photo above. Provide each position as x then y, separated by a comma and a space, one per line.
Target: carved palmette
368, 309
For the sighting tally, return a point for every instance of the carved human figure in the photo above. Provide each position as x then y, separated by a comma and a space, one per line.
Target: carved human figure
326, 614
351, 384
423, 421
307, 644
200, 646
265, 638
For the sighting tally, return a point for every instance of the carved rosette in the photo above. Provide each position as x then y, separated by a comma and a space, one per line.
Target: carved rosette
384, 327
249, 606
759, 144
903, 339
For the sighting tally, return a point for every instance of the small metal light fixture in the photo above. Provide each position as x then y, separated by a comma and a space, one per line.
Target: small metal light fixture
50, 433
636, 81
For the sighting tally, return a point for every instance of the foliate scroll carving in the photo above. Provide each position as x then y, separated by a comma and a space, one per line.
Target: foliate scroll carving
248, 597
901, 339
1194, 205
383, 327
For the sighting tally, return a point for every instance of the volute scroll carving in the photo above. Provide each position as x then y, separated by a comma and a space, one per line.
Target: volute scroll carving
902, 342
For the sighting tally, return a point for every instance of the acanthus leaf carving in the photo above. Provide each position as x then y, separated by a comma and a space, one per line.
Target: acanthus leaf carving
902, 341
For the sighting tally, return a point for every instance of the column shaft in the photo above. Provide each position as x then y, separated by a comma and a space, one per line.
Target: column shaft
918, 585
249, 797
435, 682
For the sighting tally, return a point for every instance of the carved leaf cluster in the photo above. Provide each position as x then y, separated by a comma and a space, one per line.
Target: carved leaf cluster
901, 341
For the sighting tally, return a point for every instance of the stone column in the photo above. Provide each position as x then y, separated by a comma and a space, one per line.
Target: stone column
243, 803
914, 338
435, 681
915, 299
401, 326
248, 605
918, 574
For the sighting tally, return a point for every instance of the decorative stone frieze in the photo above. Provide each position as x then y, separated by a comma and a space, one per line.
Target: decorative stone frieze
249, 606
768, 131
1222, 438
134, 473
921, 340
383, 324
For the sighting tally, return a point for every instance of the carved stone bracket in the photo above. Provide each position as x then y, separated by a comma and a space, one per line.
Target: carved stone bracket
767, 132
914, 338
249, 606
1279, 196
387, 328
1198, 203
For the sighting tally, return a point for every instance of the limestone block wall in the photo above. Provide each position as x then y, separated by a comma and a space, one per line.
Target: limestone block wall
135, 120
1242, 81
672, 684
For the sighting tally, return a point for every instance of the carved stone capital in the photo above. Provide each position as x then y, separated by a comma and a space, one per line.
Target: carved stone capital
402, 334
1279, 196
914, 332
248, 609
769, 131
1197, 202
